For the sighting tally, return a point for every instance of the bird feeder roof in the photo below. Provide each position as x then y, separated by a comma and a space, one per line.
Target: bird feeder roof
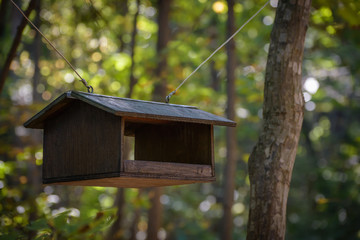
126, 107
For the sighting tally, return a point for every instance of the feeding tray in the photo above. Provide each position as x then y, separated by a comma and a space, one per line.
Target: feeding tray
85, 135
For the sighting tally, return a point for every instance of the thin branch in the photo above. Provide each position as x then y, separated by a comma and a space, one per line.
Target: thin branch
15, 45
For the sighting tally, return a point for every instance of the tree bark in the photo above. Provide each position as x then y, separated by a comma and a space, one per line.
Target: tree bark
116, 231
36, 56
272, 159
155, 213
230, 166
14, 46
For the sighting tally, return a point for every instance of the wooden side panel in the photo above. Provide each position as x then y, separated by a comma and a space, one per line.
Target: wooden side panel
81, 141
178, 142
122, 145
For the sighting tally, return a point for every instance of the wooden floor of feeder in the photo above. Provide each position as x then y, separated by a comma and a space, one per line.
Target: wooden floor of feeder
140, 174
131, 182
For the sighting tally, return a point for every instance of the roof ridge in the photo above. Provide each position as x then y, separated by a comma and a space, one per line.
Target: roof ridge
130, 99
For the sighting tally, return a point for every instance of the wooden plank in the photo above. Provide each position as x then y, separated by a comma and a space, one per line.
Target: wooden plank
122, 145
94, 176
212, 150
77, 140
167, 168
132, 182
147, 120
180, 143
138, 178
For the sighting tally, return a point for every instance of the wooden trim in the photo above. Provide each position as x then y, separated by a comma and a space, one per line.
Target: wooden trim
172, 118
212, 150
147, 120
45, 147
122, 147
156, 177
37, 121
167, 169
94, 177
132, 182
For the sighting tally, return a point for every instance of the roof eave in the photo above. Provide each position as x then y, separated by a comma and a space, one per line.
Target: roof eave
227, 123
37, 121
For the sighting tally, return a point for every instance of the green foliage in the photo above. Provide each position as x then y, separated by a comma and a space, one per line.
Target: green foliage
324, 200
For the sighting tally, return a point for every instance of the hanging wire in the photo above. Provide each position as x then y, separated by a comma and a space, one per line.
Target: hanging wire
167, 99
89, 87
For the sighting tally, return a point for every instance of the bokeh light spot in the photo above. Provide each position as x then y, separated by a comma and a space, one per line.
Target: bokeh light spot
219, 7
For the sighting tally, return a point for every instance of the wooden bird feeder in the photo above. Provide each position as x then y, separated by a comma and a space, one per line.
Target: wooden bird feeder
85, 135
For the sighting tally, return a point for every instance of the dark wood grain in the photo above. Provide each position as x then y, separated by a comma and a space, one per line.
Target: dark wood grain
212, 150
122, 147
167, 168
180, 143
81, 140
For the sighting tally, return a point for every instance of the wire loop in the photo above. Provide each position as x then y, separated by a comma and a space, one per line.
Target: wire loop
90, 89
167, 99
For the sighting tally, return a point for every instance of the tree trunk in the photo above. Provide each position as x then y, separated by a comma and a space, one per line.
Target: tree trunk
271, 162
36, 57
136, 218
163, 39
213, 35
116, 231
5, 69
230, 166
155, 213
132, 80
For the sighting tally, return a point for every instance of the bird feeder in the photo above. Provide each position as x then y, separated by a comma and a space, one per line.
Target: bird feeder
85, 135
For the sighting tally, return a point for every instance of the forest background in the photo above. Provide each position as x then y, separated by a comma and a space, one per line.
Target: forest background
98, 37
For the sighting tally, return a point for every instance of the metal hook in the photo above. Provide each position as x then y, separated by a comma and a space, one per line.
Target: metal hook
167, 99
90, 89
